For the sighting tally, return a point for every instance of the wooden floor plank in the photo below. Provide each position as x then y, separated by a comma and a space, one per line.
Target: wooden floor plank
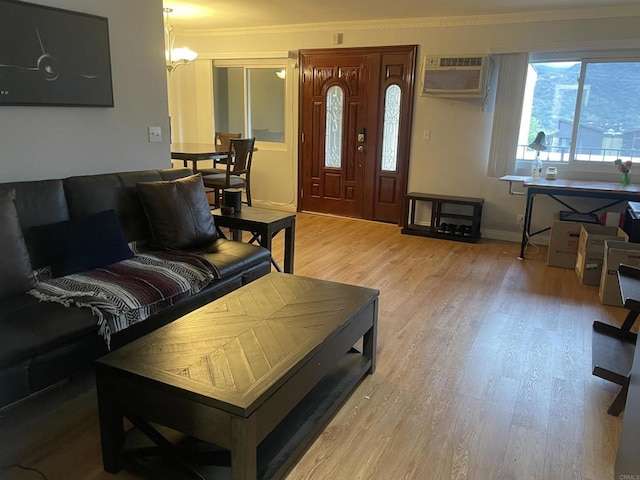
484, 370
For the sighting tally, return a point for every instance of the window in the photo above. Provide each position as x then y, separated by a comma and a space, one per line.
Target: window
588, 107
250, 100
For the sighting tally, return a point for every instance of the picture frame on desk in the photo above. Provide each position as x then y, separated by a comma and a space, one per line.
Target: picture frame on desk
53, 57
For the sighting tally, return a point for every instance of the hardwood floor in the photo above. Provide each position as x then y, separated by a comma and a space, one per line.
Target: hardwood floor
484, 370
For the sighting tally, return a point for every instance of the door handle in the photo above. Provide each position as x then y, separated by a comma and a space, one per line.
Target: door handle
360, 148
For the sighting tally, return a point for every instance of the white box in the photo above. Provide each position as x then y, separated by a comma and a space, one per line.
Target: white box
563, 244
615, 254
591, 251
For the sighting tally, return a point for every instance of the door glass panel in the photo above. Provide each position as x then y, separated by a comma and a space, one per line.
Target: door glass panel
333, 130
391, 129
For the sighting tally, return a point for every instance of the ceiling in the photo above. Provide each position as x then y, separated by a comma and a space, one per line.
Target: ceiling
217, 14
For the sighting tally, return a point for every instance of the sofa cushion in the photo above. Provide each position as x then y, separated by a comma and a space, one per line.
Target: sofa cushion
38, 202
89, 194
232, 257
178, 212
84, 243
16, 274
31, 327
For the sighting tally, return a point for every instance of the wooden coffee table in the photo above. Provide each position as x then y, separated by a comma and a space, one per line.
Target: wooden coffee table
258, 373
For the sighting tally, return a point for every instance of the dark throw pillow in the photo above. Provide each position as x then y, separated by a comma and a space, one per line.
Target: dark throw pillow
16, 274
178, 212
84, 243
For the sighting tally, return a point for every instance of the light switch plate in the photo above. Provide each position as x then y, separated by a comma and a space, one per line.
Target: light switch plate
155, 134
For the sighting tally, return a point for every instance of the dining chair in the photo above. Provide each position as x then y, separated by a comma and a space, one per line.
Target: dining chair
237, 173
223, 144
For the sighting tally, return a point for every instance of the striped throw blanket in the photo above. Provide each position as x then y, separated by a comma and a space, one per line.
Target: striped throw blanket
129, 291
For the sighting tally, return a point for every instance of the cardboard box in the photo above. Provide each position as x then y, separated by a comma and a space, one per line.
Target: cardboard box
592, 237
590, 255
588, 267
563, 244
616, 253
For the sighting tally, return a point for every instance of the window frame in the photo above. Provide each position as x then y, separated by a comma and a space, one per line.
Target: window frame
573, 166
247, 64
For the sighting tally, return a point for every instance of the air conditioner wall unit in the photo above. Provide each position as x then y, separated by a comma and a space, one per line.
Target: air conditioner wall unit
455, 76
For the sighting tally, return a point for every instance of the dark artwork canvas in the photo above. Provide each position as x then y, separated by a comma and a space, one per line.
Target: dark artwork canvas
50, 56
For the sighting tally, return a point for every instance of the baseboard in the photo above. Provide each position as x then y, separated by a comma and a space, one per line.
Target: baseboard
513, 236
502, 235
508, 236
282, 207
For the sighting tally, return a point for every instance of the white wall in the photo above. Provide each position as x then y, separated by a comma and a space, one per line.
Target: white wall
455, 160
55, 142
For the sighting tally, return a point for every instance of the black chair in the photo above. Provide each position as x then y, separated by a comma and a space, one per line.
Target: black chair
223, 144
237, 173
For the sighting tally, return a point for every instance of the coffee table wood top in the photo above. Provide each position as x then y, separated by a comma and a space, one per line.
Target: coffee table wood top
233, 353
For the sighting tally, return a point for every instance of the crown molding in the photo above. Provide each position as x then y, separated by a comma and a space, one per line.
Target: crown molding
427, 22
247, 55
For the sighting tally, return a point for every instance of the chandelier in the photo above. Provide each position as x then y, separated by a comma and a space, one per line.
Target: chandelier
174, 56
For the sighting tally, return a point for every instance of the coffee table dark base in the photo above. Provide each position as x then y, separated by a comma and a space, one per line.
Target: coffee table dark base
319, 321
277, 453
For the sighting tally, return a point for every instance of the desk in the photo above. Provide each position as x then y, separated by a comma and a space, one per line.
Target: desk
572, 188
263, 224
193, 152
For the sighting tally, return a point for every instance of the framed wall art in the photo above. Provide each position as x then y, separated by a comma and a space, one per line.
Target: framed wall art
50, 56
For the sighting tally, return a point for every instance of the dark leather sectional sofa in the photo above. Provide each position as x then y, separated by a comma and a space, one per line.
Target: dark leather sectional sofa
42, 343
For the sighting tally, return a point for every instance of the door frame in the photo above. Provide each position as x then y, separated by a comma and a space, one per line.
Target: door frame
404, 139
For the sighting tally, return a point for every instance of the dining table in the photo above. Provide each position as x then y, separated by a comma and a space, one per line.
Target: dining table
195, 152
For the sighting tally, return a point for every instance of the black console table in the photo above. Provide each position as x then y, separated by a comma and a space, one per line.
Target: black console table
439, 205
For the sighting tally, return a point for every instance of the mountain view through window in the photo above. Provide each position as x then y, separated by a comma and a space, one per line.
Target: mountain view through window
607, 114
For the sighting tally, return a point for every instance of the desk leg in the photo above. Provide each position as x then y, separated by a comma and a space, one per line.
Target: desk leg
289, 246
526, 228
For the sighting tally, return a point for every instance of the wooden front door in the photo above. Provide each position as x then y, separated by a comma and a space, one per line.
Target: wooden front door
355, 125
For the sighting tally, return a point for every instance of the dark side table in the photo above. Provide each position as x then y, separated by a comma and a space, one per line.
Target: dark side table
263, 224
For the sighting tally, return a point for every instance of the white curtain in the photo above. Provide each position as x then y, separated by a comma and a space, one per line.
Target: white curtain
512, 76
